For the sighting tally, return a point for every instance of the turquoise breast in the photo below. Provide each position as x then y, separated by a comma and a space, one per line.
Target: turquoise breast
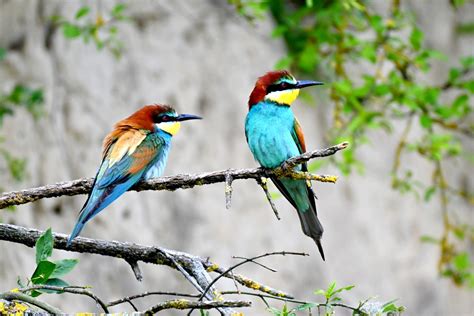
162, 141
268, 128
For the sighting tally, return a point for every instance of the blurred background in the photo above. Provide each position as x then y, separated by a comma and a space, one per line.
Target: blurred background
399, 85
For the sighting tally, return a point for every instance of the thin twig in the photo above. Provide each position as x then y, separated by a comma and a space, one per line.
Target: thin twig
150, 293
68, 289
228, 191
186, 304
282, 253
15, 296
263, 184
257, 263
184, 181
136, 270
259, 295
263, 296
185, 273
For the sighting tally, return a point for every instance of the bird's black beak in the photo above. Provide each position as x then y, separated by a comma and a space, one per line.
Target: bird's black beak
307, 83
187, 117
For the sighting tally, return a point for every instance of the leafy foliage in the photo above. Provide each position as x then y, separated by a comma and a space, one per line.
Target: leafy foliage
328, 39
103, 33
48, 272
333, 299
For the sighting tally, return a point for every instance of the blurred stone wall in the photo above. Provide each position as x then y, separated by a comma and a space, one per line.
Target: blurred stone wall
203, 59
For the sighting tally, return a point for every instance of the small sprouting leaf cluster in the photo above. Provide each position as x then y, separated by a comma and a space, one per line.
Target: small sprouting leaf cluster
96, 29
376, 65
333, 299
48, 272
20, 96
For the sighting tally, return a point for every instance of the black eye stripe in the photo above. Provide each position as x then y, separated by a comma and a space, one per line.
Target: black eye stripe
279, 87
163, 118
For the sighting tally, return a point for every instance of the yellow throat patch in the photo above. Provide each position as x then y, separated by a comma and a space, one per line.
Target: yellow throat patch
283, 97
170, 127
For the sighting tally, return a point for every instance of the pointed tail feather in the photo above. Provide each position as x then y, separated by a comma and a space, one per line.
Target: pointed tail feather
76, 231
320, 248
312, 226
87, 212
308, 215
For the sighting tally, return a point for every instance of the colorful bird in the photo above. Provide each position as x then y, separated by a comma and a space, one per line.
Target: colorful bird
137, 149
274, 135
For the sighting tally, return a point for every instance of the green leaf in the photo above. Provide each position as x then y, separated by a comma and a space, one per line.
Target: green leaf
429, 193
468, 85
3, 52
454, 74
437, 55
308, 59
459, 232
346, 288
460, 103
461, 261
71, 30
305, 306
117, 11
429, 239
203, 312
329, 291
416, 38
426, 121
44, 246
343, 87
467, 62
470, 281
284, 63
64, 267
43, 271
82, 12
54, 282
320, 292
369, 52
389, 307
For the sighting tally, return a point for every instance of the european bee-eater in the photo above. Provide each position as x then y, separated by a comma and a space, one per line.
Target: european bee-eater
136, 149
275, 135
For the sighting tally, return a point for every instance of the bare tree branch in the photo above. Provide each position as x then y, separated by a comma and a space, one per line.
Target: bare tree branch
186, 304
134, 253
150, 293
69, 289
184, 181
15, 296
224, 273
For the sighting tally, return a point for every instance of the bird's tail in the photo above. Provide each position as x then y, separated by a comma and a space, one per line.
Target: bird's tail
87, 212
311, 226
76, 231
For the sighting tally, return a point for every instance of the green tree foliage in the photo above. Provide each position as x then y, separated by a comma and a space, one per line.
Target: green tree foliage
333, 300
101, 31
325, 39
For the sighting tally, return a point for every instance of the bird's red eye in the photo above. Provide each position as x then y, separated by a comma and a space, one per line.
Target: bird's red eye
165, 118
284, 85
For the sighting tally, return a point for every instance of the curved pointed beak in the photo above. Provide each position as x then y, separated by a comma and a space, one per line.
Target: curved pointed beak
307, 83
187, 117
